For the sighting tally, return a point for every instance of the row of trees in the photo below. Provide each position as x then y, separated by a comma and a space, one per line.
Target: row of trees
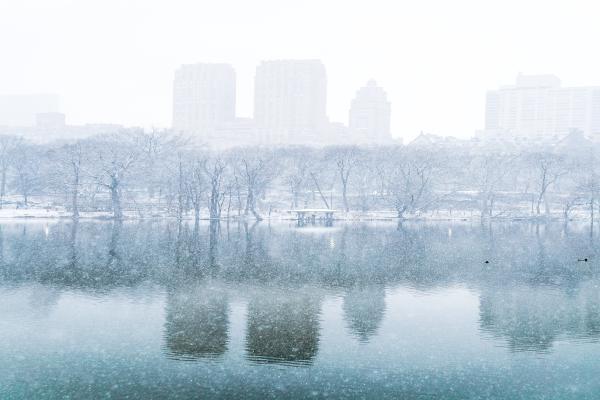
159, 173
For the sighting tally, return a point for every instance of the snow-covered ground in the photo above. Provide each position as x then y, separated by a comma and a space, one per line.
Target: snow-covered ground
277, 215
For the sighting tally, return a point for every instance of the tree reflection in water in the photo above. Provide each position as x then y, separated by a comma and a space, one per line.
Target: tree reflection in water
532, 293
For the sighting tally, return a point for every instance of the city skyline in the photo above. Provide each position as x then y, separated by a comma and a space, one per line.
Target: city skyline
341, 199
433, 58
290, 108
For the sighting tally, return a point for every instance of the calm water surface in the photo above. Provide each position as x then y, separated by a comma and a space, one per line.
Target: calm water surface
375, 311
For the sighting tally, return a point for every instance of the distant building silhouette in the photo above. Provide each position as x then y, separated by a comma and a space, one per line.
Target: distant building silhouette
50, 121
290, 107
369, 117
428, 140
21, 110
538, 110
290, 100
51, 126
237, 132
203, 97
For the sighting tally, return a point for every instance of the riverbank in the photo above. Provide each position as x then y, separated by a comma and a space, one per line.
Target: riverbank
285, 215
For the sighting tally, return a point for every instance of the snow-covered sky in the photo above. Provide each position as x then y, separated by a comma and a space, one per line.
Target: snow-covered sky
113, 60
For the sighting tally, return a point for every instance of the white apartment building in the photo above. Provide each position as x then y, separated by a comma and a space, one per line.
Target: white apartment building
538, 110
203, 98
369, 116
290, 99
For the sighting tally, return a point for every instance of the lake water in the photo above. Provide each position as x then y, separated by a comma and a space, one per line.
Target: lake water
375, 311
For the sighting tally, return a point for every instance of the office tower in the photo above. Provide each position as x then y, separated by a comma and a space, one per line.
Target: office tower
203, 97
290, 100
369, 117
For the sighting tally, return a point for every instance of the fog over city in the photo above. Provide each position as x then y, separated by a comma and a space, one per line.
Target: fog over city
113, 61
291, 200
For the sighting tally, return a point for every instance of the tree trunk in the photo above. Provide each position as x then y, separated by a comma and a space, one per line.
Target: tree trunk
196, 212
212, 243
400, 212
2, 187
76, 195
180, 193
229, 205
239, 199
484, 207
214, 204
115, 197
344, 197
247, 208
251, 206
344, 192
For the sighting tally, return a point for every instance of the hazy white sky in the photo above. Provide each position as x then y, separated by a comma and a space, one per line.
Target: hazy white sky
113, 60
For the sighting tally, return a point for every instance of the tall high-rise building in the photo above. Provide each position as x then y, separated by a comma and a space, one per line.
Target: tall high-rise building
290, 99
537, 109
203, 97
369, 117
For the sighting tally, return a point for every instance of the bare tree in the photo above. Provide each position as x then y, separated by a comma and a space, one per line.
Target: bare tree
298, 171
490, 171
113, 158
549, 168
345, 159
160, 148
27, 164
215, 171
255, 168
68, 159
365, 183
195, 184
410, 183
583, 171
8, 147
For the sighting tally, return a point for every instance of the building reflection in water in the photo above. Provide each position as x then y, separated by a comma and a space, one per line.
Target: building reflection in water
532, 319
197, 322
364, 310
283, 327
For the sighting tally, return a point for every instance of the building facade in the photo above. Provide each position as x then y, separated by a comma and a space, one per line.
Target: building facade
369, 116
203, 98
290, 99
538, 110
